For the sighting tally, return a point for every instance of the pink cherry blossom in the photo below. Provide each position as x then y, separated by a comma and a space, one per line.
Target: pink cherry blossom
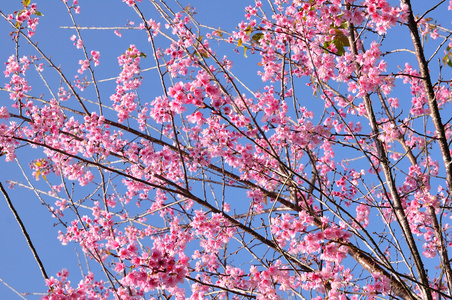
299, 151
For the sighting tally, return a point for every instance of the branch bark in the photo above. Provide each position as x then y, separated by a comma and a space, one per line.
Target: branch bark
397, 203
24, 231
440, 134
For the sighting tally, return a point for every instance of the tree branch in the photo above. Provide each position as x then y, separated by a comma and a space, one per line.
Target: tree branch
24, 231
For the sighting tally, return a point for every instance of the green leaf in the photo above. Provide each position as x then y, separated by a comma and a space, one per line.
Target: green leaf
244, 53
343, 25
447, 60
142, 54
201, 54
342, 40
340, 47
39, 14
257, 37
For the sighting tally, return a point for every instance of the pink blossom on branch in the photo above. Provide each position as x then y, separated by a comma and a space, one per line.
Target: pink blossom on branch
323, 173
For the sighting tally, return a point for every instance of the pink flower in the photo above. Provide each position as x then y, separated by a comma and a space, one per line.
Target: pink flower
362, 214
4, 114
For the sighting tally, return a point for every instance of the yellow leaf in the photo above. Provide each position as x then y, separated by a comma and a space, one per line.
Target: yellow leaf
26, 2
239, 42
248, 30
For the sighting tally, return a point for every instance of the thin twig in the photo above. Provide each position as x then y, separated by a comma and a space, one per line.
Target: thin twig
12, 289
101, 28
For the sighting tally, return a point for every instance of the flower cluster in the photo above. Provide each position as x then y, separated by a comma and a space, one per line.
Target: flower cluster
128, 80
244, 190
60, 288
24, 19
15, 68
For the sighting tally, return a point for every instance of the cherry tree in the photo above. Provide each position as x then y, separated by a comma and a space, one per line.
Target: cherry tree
303, 153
